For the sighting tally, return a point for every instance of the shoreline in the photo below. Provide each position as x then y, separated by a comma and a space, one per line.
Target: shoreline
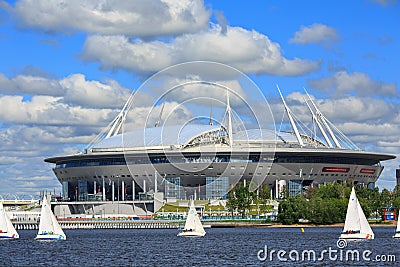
277, 225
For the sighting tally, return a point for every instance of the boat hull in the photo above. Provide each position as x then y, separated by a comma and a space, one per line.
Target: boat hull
191, 234
50, 237
357, 236
397, 235
8, 236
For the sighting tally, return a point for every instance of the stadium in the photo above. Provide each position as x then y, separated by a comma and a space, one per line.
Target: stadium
203, 161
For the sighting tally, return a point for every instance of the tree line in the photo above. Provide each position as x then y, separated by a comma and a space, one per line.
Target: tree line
327, 204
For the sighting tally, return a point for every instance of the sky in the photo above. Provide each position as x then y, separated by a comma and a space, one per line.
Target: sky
66, 68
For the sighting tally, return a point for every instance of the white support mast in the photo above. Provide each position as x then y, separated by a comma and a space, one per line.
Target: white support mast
155, 181
322, 117
315, 118
289, 112
117, 123
159, 117
211, 121
115, 126
228, 111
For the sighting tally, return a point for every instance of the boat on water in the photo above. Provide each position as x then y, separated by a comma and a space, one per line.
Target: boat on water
356, 225
49, 228
193, 226
7, 230
397, 233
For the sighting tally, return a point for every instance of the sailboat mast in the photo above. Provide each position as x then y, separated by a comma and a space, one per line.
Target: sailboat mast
289, 112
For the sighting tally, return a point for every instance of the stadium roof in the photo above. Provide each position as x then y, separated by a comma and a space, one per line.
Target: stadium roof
157, 136
264, 135
181, 135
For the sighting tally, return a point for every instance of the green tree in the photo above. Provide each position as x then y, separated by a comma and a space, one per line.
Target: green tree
263, 195
327, 210
231, 203
386, 198
240, 199
292, 209
396, 205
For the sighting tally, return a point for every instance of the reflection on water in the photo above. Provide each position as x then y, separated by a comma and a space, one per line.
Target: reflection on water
220, 247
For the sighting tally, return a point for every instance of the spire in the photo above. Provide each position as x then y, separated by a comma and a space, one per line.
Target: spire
289, 112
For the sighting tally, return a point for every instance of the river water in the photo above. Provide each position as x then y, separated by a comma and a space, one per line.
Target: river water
220, 247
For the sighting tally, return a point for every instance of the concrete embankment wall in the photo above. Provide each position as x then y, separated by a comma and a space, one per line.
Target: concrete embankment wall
103, 225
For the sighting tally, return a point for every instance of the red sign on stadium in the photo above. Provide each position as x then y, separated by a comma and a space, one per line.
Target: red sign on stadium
367, 171
335, 169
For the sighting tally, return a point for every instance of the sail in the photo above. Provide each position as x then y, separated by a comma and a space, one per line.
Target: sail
352, 222
48, 222
193, 222
3, 222
191, 218
6, 225
355, 217
365, 228
199, 227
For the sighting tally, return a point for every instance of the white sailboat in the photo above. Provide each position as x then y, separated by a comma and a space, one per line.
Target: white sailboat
397, 234
193, 226
49, 228
356, 225
7, 230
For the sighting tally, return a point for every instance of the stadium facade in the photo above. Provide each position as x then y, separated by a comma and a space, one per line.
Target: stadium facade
203, 161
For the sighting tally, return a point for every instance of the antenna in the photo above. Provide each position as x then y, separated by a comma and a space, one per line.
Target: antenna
289, 112
159, 117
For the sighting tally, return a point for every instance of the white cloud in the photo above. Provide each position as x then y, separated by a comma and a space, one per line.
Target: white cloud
50, 111
358, 83
357, 109
249, 51
9, 160
133, 18
27, 84
74, 90
366, 121
315, 33
79, 91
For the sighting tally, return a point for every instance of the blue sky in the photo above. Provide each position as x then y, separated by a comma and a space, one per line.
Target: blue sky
67, 67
